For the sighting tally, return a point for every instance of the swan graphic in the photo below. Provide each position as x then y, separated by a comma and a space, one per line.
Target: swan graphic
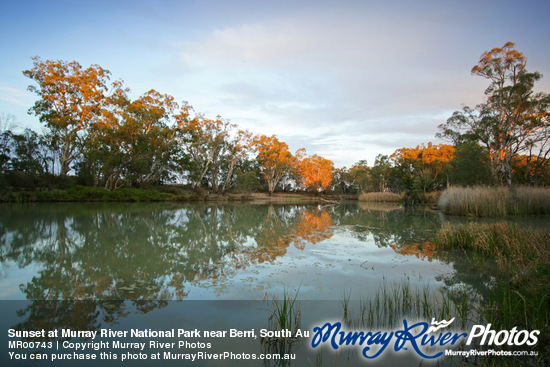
439, 325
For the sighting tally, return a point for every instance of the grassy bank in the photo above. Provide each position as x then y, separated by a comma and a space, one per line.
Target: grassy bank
518, 259
85, 194
78, 193
495, 201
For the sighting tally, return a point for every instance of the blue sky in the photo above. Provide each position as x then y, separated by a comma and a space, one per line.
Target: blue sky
344, 79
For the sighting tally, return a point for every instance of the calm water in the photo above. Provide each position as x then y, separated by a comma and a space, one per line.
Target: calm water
203, 252
123, 266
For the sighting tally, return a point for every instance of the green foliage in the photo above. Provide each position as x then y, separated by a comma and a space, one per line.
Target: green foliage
29, 154
470, 166
7, 123
247, 182
86, 193
380, 173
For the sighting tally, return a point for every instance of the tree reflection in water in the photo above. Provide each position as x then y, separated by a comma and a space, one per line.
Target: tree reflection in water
96, 261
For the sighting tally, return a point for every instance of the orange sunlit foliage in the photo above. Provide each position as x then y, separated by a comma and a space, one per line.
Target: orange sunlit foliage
71, 98
313, 228
422, 251
132, 141
427, 163
315, 172
274, 158
428, 155
531, 170
273, 241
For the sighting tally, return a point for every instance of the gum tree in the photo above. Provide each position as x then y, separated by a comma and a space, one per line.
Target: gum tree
512, 118
315, 172
274, 158
70, 99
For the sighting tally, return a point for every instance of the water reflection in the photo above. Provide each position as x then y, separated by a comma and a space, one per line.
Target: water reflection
156, 251
85, 266
148, 254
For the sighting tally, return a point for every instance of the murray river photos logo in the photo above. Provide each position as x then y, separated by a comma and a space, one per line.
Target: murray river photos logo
418, 337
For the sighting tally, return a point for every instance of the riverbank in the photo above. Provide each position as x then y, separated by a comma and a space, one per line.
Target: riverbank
78, 193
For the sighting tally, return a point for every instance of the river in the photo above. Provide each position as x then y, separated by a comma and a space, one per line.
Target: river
128, 265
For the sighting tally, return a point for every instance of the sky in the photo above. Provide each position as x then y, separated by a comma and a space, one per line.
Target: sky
346, 80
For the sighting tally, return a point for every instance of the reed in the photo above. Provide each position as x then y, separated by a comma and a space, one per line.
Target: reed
515, 248
284, 315
388, 197
397, 301
483, 201
520, 265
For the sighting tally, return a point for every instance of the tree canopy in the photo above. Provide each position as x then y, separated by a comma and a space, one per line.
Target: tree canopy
512, 120
70, 99
95, 129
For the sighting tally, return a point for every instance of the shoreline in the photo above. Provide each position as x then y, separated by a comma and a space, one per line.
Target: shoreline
78, 193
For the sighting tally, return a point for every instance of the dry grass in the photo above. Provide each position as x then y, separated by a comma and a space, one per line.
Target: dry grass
495, 201
386, 197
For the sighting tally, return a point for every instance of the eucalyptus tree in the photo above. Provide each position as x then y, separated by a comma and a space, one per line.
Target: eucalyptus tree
274, 158
7, 124
512, 120
134, 141
209, 149
70, 99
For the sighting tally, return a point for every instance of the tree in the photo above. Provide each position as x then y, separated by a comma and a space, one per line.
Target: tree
512, 118
274, 158
209, 148
149, 137
70, 99
360, 174
237, 148
31, 154
380, 172
470, 165
315, 172
7, 124
426, 164
531, 170
342, 181
248, 176
133, 143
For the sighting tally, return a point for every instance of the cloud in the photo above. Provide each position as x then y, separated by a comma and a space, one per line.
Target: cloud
15, 96
345, 80
354, 62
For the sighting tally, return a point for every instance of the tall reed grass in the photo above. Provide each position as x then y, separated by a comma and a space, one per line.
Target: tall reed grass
388, 197
284, 315
495, 201
399, 300
510, 244
520, 266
